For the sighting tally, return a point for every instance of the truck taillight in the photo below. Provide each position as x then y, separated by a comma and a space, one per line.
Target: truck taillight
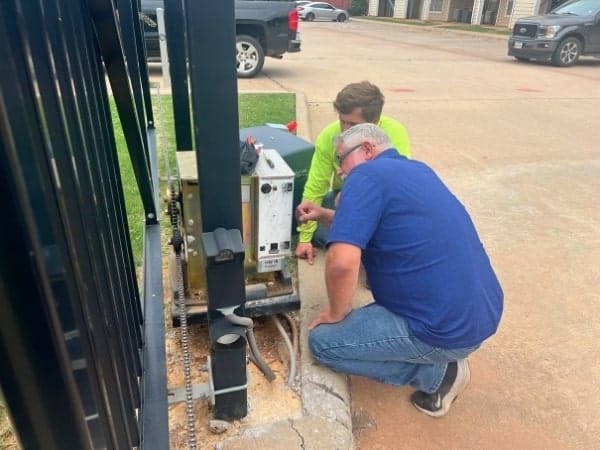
293, 20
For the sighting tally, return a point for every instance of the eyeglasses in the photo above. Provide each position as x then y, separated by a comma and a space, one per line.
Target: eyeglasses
342, 156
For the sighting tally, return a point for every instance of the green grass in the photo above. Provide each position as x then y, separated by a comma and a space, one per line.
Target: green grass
415, 22
258, 109
7, 437
445, 25
477, 29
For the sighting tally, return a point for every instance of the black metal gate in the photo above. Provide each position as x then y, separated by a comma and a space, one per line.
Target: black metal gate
81, 350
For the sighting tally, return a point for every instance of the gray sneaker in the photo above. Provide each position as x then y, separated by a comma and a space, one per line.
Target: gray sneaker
438, 403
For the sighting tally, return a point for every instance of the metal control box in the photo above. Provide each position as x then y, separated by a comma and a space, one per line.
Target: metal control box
273, 207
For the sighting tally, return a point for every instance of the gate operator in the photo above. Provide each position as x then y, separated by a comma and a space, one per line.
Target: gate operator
267, 213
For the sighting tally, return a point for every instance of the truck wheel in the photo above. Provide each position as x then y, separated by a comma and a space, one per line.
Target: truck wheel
341, 17
310, 17
567, 53
250, 56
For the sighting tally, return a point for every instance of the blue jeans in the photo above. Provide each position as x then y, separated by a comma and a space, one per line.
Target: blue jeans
375, 343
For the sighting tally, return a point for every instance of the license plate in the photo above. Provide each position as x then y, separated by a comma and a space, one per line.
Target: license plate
518, 45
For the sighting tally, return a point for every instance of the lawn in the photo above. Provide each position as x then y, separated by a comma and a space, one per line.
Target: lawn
489, 29
7, 438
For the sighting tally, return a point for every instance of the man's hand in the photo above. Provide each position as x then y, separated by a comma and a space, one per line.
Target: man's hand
305, 250
325, 316
307, 211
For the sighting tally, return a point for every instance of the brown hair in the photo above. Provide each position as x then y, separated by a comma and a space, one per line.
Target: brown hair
363, 95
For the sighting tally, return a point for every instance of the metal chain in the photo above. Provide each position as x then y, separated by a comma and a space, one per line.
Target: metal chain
177, 242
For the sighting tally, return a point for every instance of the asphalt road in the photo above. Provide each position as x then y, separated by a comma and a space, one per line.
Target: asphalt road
519, 144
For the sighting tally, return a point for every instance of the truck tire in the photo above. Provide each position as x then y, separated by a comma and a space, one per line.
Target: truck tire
249, 55
567, 53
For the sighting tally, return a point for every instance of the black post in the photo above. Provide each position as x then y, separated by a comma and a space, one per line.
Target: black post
211, 37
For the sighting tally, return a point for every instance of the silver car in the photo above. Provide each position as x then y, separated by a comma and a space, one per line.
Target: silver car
321, 11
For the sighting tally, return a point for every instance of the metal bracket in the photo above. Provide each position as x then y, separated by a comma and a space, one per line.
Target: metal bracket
202, 390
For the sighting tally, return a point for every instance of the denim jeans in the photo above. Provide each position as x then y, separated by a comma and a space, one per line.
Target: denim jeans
376, 343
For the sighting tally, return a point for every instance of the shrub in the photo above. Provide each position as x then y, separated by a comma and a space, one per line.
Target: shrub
358, 8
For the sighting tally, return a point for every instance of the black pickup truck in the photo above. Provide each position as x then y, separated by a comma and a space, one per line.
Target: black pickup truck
571, 30
263, 28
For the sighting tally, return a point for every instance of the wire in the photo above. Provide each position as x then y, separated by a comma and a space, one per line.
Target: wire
291, 350
258, 359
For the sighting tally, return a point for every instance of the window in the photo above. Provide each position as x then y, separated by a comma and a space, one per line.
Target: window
509, 7
436, 5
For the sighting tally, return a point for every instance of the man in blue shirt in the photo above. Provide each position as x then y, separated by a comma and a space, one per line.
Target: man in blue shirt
436, 295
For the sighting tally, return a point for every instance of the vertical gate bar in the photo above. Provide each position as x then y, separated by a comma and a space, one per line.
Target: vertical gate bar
128, 23
110, 47
143, 65
176, 47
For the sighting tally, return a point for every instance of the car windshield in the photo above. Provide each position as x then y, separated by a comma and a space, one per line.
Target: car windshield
578, 7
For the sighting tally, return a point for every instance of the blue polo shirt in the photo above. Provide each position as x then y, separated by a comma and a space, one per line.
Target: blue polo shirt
420, 250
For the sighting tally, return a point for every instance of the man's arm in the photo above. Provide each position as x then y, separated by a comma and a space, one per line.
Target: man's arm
341, 276
319, 175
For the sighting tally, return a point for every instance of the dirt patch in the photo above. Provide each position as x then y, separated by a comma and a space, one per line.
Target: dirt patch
267, 401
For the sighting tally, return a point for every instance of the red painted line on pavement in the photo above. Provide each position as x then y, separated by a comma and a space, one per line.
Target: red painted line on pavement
402, 89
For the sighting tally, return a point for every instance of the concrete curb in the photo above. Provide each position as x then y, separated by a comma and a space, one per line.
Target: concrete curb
325, 394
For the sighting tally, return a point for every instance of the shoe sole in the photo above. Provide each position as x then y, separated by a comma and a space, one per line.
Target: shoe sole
453, 394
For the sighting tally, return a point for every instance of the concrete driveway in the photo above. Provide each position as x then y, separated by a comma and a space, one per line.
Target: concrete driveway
520, 145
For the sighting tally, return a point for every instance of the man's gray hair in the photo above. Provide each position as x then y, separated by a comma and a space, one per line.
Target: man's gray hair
361, 133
